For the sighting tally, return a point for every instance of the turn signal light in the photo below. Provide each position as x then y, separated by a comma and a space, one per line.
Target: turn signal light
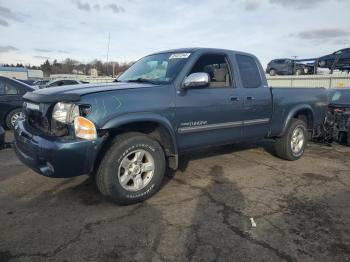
84, 128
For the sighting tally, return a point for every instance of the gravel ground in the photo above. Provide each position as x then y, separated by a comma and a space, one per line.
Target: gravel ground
301, 210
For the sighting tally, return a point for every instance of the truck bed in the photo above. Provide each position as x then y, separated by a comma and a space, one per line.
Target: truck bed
286, 101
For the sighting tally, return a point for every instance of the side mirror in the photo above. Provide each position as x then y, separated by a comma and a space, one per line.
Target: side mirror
196, 80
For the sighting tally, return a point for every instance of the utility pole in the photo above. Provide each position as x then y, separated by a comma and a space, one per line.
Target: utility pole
294, 63
109, 39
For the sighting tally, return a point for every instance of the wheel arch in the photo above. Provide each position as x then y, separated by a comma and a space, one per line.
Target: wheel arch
158, 127
303, 112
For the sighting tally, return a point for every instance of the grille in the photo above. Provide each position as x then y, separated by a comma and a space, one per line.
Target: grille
37, 121
40, 122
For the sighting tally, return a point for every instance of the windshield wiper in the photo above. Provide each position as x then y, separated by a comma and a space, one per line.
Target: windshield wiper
142, 80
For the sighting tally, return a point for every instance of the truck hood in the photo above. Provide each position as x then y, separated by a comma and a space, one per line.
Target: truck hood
74, 92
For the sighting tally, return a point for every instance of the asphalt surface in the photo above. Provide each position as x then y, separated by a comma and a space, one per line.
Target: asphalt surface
301, 210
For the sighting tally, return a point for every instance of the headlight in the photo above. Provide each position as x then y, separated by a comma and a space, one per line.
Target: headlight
65, 112
84, 128
68, 113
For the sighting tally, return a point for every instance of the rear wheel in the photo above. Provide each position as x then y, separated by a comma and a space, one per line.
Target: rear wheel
272, 72
292, 145
299, 71
132, 169
12, 117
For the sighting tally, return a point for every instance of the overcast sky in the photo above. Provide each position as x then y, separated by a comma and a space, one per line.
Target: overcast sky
31, 31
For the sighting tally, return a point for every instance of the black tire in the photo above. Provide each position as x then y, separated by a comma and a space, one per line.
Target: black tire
299, 71
107, 177
9, 117
322, 63
272, 72
283, 147
348, 138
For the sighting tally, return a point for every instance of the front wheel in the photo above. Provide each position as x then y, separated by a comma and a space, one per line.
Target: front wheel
291, 146
12, 118
132, 169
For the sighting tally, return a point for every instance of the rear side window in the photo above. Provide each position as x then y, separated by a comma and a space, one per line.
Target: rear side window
10, 89
249, 71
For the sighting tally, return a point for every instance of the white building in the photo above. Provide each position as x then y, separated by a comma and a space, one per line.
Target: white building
21, 73
35, 74
93, 72
14, 72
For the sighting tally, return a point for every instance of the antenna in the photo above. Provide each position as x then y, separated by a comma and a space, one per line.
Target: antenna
109, 40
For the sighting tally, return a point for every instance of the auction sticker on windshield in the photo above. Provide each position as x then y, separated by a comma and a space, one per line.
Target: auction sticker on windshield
179, 55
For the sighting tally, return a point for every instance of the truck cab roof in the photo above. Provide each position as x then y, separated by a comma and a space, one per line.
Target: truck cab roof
201, 50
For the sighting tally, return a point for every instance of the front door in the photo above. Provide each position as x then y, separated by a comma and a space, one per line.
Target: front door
210, 115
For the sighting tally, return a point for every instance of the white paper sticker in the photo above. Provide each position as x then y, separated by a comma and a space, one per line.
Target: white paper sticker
179, 56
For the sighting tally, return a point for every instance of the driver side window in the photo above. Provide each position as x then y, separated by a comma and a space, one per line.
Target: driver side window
216, 66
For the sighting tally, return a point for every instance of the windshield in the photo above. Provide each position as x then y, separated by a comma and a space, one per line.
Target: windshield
157, 69
341, 97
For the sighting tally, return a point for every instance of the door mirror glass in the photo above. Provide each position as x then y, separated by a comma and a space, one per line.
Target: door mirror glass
196, 80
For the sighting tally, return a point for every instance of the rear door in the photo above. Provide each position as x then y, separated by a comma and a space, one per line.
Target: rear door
257, 100
210, 115
10, 97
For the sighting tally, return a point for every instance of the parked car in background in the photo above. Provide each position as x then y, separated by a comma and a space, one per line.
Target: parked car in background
2, 138
128, 132
286, 66
28, 82
41, 83
11, 93
338, 60
65, 82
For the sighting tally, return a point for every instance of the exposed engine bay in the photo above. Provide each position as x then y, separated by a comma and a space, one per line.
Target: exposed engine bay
336, 127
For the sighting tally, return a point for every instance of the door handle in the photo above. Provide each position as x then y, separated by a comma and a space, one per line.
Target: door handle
234, 98
250, 98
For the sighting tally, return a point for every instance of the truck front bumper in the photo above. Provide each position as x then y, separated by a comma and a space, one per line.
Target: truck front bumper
53, 156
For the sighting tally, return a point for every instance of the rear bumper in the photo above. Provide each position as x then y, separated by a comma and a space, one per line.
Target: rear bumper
55, 157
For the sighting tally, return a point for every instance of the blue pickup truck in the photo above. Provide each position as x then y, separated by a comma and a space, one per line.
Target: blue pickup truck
128, 132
